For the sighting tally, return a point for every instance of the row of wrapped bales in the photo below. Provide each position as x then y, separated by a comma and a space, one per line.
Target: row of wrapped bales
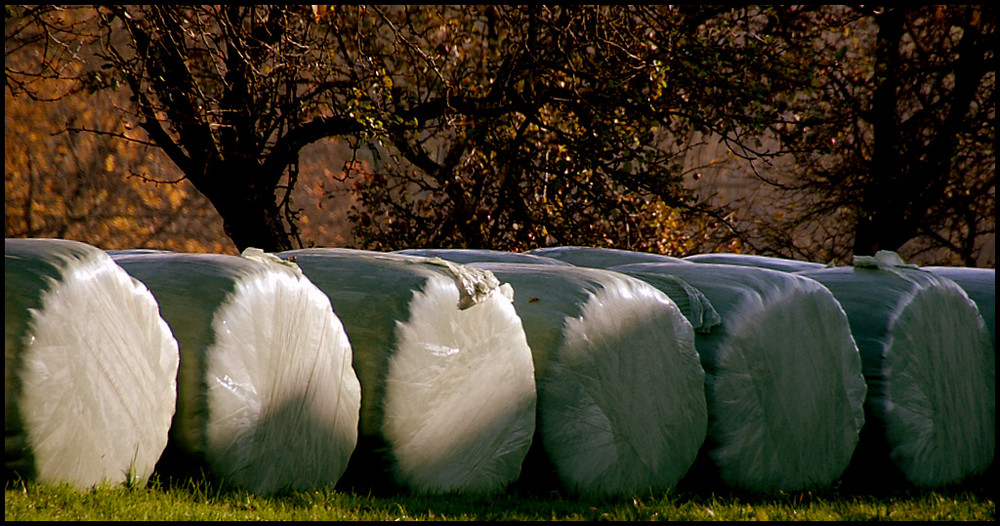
89, 367
448, 387
260, 370
782, 373
429, 370
621, 406
267, 396
926, 356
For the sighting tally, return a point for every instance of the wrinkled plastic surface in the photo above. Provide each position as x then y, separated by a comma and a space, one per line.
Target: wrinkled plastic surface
89, 367
929, 367
448, 385
692, 303
981, 286
267, 396
621, 398
749, 260
783, 376
468, 256
594, 257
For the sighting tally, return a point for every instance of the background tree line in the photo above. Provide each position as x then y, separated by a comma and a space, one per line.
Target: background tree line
851, 129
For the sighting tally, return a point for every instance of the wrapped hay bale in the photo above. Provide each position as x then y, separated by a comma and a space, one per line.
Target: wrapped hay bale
980, 284
749, 260
267, 398
689, 299
783, 378
691, 302
89, 367
448, 388
929, 367
621, 404
595, 257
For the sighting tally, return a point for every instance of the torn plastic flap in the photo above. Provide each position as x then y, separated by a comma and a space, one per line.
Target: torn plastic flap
257, 254
474, 284
883, 259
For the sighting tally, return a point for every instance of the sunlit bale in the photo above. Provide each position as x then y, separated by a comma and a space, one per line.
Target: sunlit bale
89, 367
691, 302
929, 367
783, 378
448, 388
267, 397
621, 404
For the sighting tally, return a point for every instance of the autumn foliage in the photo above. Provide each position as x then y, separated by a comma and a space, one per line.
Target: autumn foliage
507, 127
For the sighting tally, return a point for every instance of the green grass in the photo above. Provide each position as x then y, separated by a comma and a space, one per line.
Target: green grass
202, 499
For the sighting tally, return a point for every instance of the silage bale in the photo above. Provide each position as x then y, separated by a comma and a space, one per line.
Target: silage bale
980, 284
621, 404
929, 367
448, 388
267, 397
89, 367
783, 378
691, 302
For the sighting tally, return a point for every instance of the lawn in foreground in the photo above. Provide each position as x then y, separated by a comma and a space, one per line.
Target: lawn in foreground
203, 499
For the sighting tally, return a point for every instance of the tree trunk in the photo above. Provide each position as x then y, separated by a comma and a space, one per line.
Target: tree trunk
245, 199
254, 223
880, 217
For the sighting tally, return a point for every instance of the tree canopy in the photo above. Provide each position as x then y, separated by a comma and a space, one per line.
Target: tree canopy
512, 127
893, 139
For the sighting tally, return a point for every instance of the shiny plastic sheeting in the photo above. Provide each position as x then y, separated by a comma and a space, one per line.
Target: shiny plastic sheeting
466, 256
267, 397
448, 388
749, 260
692, 303
621, 403
980, 284
89, 367
929, 367
783, 377
595, 257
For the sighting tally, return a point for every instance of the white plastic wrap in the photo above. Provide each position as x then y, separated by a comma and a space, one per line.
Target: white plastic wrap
929, 367
89, 367
749, 260
448, 387
783, 377
267, 397
621, 404
981, 286
466, 256
692, 303
595, 257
